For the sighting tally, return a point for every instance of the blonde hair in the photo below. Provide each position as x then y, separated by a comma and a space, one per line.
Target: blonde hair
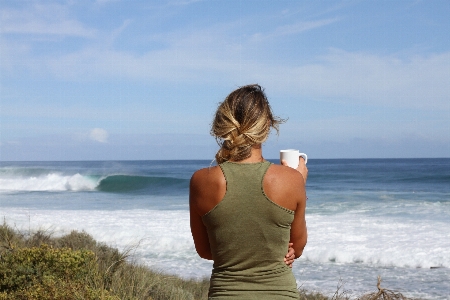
242, 120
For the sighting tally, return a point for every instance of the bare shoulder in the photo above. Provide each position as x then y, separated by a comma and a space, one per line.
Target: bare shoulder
284, 186
281, 174
206, 175
207, 188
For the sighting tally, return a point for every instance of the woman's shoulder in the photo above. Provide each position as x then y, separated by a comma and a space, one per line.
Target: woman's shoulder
207, 175
283, 178
284, 185
207, 188
283, 173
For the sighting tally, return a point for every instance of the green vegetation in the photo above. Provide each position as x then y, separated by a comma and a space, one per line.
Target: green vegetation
38, 266
45, 272
75, 266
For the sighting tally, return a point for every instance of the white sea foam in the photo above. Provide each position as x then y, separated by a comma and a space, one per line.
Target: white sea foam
380, 241
352, 246
49, 182
161, 239
164, 236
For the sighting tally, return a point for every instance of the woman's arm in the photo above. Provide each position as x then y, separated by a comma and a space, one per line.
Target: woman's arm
299, 233
198, 229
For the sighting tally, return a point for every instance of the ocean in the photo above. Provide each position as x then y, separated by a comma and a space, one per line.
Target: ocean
365, 217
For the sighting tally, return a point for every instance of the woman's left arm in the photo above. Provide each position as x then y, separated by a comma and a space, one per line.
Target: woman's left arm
198, 229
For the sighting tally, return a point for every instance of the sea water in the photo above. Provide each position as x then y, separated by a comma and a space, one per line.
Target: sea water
365, 217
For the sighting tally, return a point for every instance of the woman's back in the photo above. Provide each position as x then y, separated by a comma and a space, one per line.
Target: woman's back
246, 221
248, 234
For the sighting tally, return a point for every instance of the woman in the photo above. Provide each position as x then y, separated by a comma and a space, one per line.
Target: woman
245, 211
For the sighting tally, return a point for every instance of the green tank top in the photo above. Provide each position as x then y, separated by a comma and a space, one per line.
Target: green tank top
249, 235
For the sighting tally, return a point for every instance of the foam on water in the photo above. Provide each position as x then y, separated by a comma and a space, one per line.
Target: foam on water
111, 183
348, 246
48, 182
379, 241
161, 239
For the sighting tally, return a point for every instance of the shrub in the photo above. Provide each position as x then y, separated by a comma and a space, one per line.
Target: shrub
48, 273
75, 266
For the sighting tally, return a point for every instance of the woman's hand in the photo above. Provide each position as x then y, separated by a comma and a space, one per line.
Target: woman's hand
301, 167
290, 256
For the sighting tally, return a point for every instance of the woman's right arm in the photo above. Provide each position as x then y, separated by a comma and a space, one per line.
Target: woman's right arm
198, 229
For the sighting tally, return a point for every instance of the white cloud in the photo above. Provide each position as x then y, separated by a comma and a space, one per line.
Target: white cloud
351, 77
215, 54
354, 77
99, 135
48, 19
295, 28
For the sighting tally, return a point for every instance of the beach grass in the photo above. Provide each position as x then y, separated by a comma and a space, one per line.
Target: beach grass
39, 265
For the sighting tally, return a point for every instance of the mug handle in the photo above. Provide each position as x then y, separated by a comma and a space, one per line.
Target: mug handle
305, 157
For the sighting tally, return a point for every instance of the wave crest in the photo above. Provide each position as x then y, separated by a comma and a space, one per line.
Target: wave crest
55, 182
50, 182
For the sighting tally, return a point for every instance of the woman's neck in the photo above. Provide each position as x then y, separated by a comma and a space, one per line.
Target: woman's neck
255, 156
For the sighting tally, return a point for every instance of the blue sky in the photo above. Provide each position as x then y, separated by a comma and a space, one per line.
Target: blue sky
84, 80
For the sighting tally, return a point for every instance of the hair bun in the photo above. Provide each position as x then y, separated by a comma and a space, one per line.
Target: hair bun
242, 120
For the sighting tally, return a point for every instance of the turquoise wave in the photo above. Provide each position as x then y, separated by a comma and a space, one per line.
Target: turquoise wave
134, 183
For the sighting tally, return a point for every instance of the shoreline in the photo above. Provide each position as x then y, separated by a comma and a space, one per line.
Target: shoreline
313, 276
113, 270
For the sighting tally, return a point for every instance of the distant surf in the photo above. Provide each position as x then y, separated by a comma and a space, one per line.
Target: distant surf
28, 180
51, 182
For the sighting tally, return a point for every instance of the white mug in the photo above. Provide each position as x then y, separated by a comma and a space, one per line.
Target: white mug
292, 157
